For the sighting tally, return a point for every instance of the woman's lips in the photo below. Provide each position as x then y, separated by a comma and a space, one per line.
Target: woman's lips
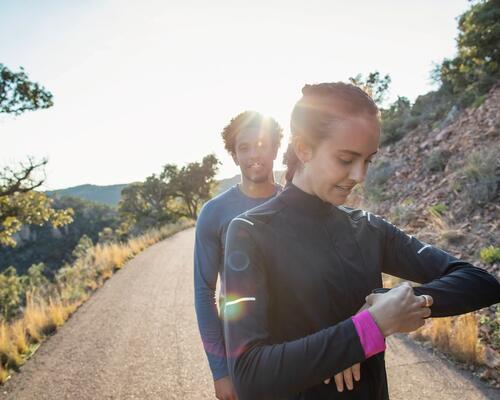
344, 189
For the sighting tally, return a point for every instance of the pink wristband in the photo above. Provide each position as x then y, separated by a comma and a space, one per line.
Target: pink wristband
369, 333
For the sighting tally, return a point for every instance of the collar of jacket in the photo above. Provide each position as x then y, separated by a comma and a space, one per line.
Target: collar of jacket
307, 203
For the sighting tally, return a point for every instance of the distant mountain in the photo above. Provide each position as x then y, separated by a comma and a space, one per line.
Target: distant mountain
109, 195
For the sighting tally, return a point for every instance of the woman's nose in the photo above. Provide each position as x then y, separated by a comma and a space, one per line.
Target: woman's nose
358, 172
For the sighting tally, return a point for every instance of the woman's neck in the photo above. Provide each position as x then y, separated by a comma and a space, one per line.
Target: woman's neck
301, 182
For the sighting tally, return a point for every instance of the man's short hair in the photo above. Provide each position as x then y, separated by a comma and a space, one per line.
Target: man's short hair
250, 119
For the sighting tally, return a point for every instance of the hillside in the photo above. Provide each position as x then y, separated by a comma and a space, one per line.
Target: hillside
442, 185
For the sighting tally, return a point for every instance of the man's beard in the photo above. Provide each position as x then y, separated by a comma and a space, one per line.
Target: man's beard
257, 179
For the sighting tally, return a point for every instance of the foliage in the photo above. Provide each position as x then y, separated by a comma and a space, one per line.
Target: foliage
396, 121
82, 247
19, 203
375, 85
10, 293
490, 254
376, 178
192, 184
30, 208
477, 65
144, 205
53, 246
436, 160
404, 213
18, 94
438, 210
477, 181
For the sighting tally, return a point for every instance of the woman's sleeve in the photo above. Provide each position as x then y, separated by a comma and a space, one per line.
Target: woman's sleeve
259, 368
456, 286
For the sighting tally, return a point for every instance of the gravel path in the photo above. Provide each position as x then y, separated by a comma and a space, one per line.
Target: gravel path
137, 338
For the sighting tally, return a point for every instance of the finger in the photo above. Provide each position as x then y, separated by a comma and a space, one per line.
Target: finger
339, 381
372, 298
348, 378
428, 300
424, 312
327, 381
356, 371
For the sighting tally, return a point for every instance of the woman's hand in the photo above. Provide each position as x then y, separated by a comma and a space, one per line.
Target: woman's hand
224, 389
399, 310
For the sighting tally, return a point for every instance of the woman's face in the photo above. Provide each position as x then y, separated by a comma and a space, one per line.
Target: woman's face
341, 160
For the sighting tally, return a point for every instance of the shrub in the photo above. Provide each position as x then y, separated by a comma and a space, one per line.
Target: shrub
436, 160
376, 179
490, 254
438, 209
477, 181
403, 213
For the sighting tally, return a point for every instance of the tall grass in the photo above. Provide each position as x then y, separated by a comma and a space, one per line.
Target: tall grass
49, 307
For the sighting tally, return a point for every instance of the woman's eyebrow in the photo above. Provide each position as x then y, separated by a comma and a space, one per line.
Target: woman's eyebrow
355, 153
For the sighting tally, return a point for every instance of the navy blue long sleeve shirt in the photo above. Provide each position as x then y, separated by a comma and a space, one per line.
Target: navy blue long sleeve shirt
211, 229
297, 268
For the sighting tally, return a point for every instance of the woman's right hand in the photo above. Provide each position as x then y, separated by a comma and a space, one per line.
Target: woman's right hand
399, 310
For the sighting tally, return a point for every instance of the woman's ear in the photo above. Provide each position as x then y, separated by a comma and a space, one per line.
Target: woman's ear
303, 150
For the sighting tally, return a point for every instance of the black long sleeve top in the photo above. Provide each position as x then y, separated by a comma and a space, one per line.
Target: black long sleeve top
297, 268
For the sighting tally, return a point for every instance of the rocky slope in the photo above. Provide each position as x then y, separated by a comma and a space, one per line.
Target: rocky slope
441, 184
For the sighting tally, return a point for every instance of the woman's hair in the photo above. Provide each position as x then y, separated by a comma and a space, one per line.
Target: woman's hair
317, 111
250, 119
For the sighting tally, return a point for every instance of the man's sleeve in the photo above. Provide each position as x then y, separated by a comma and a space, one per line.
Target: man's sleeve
207, 258
456, 286
259, 368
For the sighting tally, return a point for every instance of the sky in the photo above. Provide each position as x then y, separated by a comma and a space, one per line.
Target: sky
141, 84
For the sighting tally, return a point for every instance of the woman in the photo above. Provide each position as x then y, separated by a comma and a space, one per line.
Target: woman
298, 267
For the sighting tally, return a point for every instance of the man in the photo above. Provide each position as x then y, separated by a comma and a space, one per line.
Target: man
253, 141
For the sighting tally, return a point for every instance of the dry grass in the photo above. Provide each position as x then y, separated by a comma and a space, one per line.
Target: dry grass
19, 337
458, 336
42, 316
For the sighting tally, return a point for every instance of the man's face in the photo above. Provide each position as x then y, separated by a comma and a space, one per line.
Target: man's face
255, 153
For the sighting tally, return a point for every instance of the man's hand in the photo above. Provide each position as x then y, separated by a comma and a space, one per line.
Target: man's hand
347, 376
224, 389
349, 373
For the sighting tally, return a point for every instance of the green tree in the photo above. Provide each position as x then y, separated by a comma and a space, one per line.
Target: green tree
190, 186
395, 120
477, 65
144, 205
18, 94
375, 85
19, 203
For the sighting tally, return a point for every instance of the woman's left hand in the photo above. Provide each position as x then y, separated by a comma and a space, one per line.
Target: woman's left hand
347, 375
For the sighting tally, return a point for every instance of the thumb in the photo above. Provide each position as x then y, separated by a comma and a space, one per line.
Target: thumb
372, 298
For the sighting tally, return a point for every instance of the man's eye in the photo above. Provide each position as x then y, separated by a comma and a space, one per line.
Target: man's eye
345, 162
368, 161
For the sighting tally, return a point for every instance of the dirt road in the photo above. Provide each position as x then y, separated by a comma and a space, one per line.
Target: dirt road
137, 338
